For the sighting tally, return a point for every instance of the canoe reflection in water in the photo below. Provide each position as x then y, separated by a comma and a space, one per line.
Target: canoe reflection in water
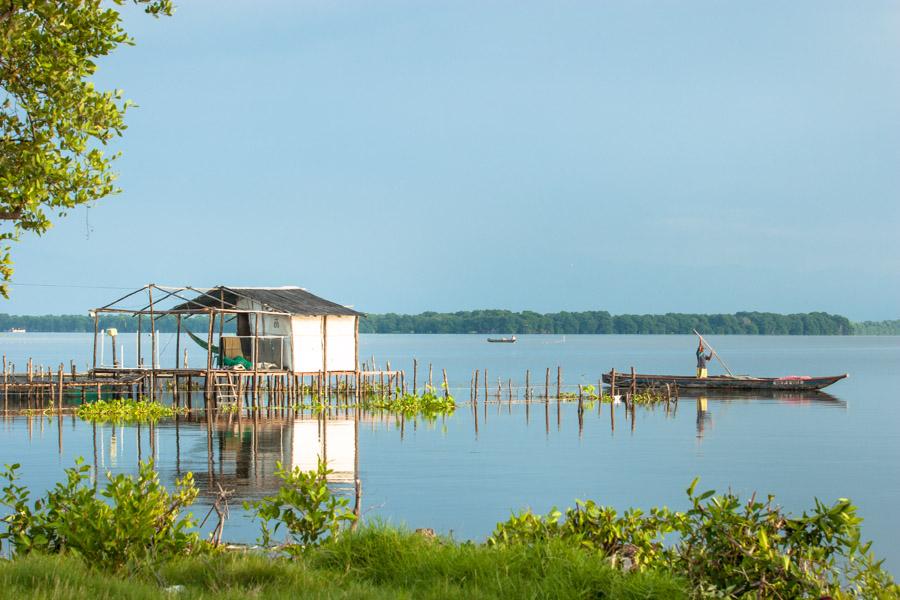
704, 416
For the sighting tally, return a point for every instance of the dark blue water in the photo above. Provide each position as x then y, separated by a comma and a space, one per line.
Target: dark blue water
448, 476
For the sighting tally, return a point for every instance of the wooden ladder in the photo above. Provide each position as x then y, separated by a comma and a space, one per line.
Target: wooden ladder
226, 389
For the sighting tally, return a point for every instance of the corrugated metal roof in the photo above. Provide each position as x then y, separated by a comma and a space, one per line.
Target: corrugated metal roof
293, 300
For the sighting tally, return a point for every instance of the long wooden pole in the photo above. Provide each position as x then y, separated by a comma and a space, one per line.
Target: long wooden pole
714, 353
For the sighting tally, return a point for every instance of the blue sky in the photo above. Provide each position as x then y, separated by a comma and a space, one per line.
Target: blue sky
691, 156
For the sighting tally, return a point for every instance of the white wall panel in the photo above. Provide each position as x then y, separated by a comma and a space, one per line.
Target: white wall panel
307, 343
341, 346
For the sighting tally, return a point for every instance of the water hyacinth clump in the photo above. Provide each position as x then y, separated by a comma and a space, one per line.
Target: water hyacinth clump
428, 404
125, 410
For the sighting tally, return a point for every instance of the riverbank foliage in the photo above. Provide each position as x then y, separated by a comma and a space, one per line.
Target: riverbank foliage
508, 322
124, 410
305, 506
374, 563
73, 543
55, 118
133, 520
722, 546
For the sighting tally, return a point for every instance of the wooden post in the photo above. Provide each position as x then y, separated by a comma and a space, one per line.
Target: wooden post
209, 344
600, 396
476, 387
558, 383
115, 358
633, 383
178, 340
446, 385
221, 328
152, 337
547, 385
325, 343
612, 413
632, 415
96, 332
612, 384
485, 386
527, 384
254, 398
139, 359
59, 380
430, 381
415, 376
356, 346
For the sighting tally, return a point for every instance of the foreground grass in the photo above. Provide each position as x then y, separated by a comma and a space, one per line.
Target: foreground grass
376, 562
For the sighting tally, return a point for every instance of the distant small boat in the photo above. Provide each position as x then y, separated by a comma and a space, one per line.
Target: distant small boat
503, 340
17, 330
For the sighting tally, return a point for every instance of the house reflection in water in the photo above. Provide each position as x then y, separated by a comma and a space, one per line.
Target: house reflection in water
243, 455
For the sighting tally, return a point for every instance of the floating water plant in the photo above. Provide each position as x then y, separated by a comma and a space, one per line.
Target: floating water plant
125, 410
428, 404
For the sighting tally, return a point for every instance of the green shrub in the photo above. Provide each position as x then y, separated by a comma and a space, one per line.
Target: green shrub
305, 506
724, 547
135, 520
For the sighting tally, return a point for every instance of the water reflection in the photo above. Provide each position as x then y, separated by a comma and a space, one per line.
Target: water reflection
238, 452
704, 419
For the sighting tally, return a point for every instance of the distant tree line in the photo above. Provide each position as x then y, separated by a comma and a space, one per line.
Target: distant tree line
504, 321
877, 328
508, 322
84, 323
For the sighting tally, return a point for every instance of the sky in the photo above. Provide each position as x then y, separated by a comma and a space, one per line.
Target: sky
403, 156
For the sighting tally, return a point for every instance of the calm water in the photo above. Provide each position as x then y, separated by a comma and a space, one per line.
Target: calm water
447, 476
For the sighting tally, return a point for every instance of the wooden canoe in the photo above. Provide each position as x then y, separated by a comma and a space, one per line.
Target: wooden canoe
509, 340
725, 382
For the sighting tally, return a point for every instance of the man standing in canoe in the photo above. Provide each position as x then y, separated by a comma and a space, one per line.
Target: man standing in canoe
701, 361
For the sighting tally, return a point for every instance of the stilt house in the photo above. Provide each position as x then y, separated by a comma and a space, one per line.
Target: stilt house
285, 329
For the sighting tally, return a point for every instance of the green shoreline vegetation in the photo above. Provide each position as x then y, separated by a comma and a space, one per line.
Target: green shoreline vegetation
132, 538
509, 322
